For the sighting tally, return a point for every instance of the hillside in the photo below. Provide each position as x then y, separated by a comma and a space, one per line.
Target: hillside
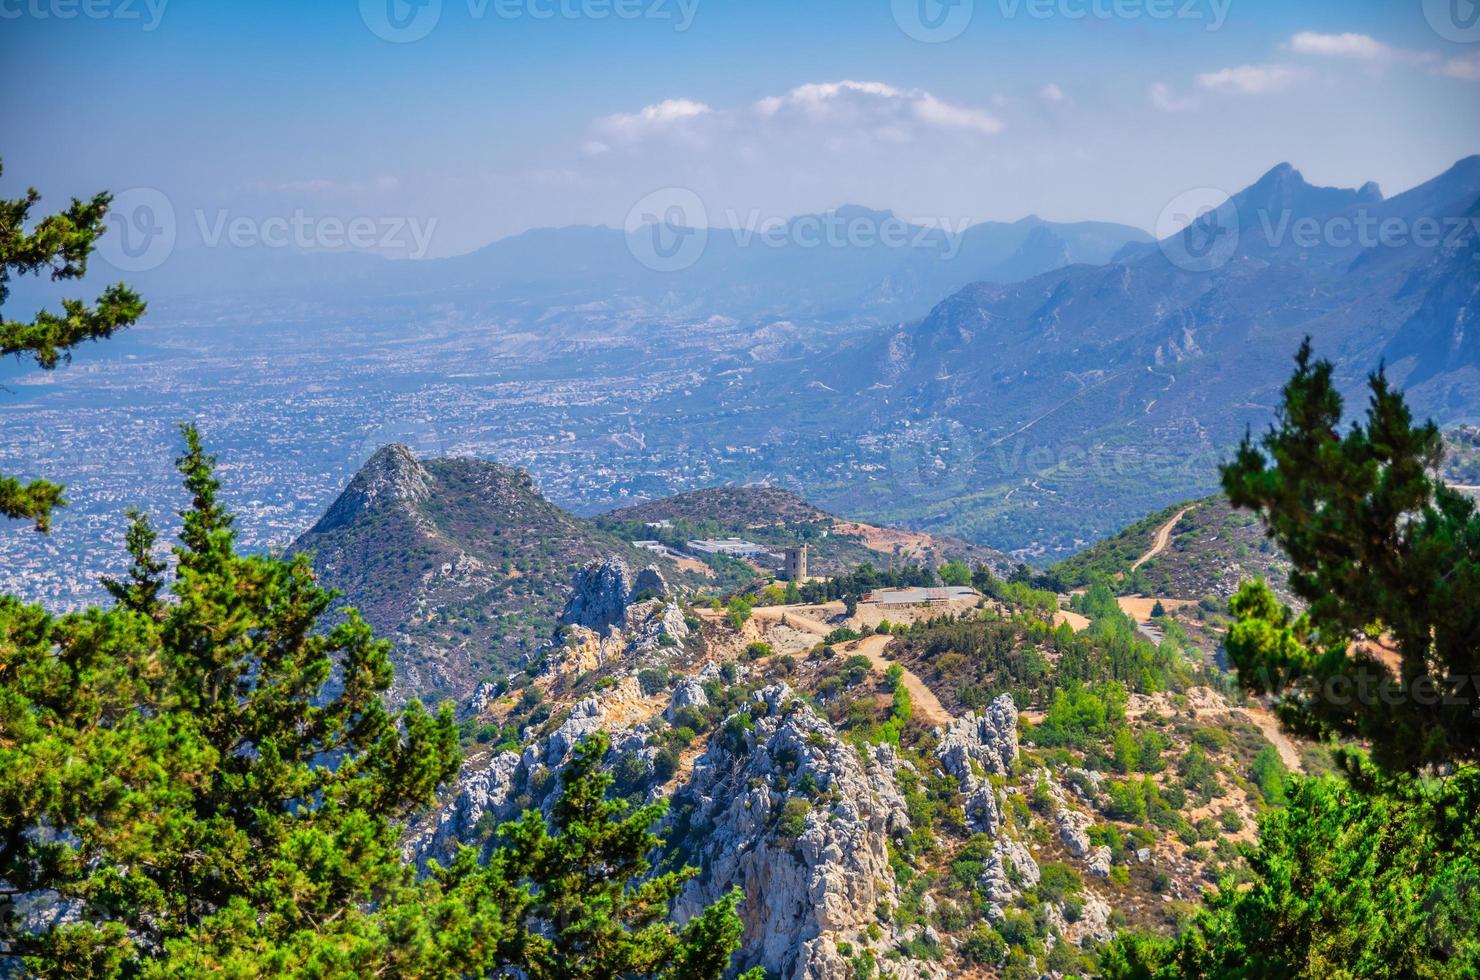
1462, 466
1048, 413
1208, 551
926, 802
781, 518
461, 562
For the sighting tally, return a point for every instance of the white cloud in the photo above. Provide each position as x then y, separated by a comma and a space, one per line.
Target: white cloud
841, 115
1362, 46
1052, 93
652, 118
1164, 100
929, 109
1359, 47
876, 104
594, 148
1466, 69
1251, 79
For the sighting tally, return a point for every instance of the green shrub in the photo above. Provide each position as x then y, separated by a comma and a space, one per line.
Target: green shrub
984, 945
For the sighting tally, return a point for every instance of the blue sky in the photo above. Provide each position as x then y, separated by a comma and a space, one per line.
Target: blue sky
500, 119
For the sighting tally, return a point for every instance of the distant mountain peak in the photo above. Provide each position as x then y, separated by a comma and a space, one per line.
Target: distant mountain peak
391, 474
849, 212
1285, 189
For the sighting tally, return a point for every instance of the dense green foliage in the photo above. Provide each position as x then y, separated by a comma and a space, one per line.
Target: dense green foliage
59, 243
1376, 874
1387, 558
1347, 882
210, 783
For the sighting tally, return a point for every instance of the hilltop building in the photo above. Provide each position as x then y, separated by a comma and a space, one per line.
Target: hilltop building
795, 567
734, 547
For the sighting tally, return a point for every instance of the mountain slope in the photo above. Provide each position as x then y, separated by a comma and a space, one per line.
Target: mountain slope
461, 562
780, 518
1210, 550
1048, 412
843, 264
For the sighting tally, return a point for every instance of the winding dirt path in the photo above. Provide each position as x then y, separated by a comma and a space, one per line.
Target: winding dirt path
926, 705
1162, 539
922, 699
1270, 727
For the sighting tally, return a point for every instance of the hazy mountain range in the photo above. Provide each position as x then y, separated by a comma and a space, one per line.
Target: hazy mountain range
849, 263
1059, 407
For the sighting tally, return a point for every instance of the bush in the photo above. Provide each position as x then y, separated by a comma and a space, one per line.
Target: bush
793, 821
652, 680
984, 946
893, 677
855, 669
1019, 930
1127, 800
758, 651
735, 729
665, 764
1058, 881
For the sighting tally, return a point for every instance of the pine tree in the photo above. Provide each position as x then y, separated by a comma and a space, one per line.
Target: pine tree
60, 243
1387, 558
213, 785
1377, 874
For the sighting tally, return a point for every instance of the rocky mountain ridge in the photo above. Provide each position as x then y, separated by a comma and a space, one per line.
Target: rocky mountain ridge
970, 844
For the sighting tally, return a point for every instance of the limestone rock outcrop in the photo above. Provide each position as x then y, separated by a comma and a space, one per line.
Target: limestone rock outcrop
600, 594
976, 746
689, 693
501, 786
786, 809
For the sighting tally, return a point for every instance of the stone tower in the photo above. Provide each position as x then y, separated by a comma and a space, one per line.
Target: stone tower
796, 564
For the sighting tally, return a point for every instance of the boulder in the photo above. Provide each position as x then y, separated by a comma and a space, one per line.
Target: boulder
599, 596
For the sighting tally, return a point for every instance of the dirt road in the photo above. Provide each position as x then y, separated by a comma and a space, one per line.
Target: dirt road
1270, 727
926, 705
1162, 539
